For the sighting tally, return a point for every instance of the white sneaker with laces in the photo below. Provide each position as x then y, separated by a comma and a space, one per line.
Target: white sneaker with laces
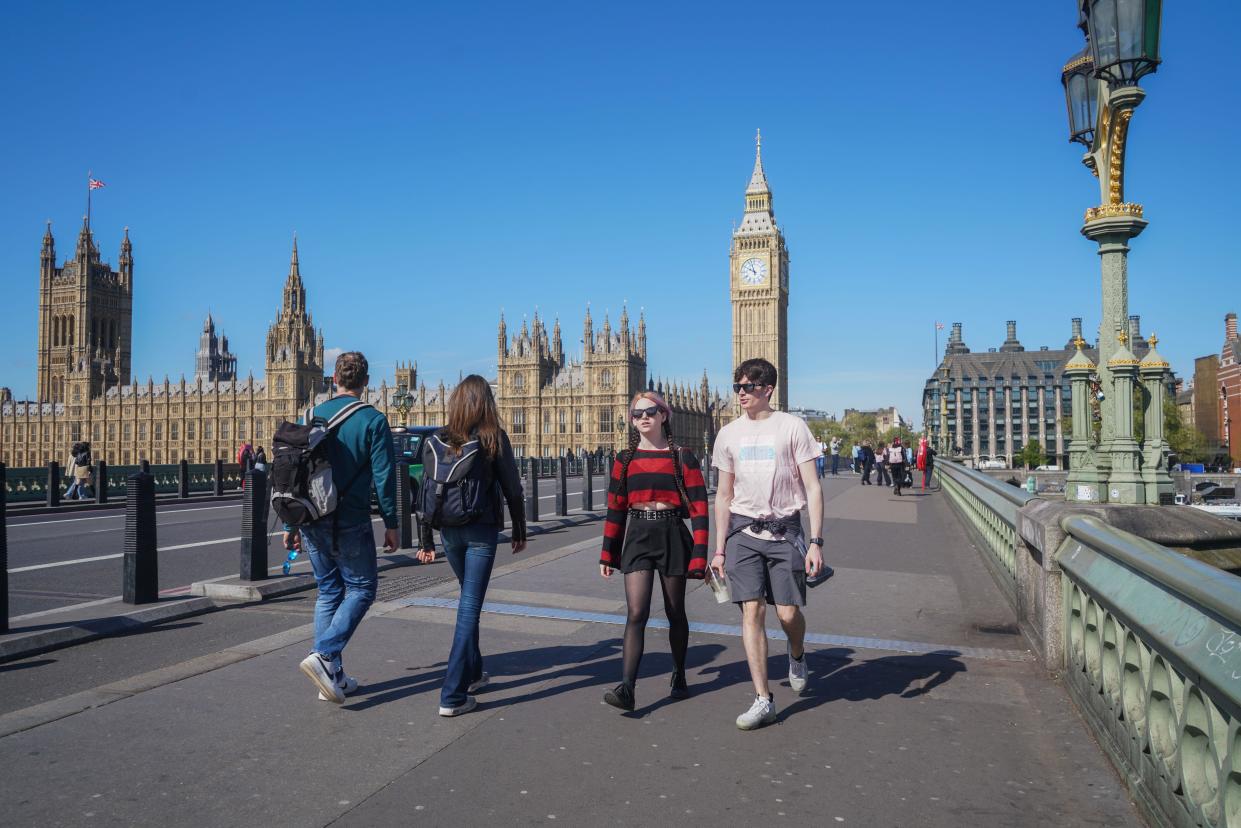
319, 670
465, 707
762, 712
346, 683
482, 682
797, 673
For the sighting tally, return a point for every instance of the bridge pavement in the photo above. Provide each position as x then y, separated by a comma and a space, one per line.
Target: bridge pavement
894, 728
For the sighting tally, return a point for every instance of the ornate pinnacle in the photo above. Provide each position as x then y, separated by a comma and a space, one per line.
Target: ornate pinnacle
1079, 342
1122, 338
1153, 340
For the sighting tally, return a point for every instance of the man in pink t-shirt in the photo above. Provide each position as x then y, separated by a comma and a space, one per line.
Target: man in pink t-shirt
767, 475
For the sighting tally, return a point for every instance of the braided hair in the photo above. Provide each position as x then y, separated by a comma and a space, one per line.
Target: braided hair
634, 438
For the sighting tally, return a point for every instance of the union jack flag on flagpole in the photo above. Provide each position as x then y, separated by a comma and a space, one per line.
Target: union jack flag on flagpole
92, 184
939, 326
95, 183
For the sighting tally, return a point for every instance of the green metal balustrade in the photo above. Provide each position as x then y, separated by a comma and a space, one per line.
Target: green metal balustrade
29, 485
991, 508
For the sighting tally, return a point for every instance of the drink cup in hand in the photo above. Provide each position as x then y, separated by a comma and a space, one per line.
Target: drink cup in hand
718, 585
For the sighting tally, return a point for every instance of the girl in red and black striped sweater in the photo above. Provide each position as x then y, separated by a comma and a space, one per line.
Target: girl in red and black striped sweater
655, 485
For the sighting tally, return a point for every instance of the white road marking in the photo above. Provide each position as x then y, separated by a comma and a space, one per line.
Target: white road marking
173, 548
122, 514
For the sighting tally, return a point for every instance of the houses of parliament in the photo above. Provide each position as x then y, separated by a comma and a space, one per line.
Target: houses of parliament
550, 403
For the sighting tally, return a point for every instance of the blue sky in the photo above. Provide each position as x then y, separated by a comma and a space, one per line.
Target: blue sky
443, 162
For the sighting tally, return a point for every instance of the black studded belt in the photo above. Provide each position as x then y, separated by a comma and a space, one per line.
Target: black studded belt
656, 514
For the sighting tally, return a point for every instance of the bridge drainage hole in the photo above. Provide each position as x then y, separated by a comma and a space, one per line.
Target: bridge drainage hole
998, 629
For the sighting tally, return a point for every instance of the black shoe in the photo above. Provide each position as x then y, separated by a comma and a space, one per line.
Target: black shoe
680, 690
620, 696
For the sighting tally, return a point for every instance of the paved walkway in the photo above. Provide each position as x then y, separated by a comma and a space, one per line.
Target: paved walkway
894, 728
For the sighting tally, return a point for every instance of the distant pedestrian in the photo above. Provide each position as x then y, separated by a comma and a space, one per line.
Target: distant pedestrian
78, 468
868, 462
896, 464
655, 486
835, 448
926, 462
819, 463
245, 459
856, 468
881, 465
260, 460
341, 544
766, 480
469, 514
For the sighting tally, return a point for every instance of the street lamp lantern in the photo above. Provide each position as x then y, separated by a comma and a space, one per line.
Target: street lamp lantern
1081, 93
1124, 38
403, 401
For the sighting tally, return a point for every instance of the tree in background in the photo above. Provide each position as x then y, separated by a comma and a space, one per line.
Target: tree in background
1031, 455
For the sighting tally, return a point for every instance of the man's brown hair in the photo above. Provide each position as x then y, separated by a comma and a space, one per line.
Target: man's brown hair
352, 371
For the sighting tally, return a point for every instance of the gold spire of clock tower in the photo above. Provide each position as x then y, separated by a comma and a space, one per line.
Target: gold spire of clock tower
759, 281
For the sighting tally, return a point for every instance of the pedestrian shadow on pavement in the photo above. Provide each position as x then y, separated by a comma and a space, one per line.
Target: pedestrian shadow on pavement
26, 665
508, 670
906, 676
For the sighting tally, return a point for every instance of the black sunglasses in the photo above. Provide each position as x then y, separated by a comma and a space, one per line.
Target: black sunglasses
639, 413
747, 387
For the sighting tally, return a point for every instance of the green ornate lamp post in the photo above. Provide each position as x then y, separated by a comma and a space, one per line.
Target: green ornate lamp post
402, 400
1102, 92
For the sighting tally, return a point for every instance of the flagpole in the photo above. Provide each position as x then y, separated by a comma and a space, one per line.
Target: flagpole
935, 356
88, 174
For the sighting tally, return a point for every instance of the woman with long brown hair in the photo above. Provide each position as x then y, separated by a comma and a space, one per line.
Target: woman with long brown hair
469, 474
655, 486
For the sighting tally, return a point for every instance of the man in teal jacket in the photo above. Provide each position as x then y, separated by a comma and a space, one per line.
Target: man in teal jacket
341, 545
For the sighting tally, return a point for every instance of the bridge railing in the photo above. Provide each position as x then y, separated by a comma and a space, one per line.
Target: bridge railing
991, 507
29, 485
1148, 640
1153, 657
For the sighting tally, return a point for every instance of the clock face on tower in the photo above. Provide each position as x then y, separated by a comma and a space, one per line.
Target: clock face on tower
754, 271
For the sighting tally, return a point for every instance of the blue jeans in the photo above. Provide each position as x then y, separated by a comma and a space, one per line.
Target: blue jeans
347, 579
835, 463
471, 552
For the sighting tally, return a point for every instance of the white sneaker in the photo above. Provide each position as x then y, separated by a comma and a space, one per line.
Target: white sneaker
482, 682
319, 670
762, 712
465, 707
346, 683
797, 672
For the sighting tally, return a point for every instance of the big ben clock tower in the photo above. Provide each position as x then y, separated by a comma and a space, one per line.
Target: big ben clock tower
759, 284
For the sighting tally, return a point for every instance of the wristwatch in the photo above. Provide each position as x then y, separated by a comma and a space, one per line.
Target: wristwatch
819, 541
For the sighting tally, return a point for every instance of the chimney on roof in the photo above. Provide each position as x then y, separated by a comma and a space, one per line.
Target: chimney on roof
955, 344
1077, 332
1135, 332
1230, 326
1010, 341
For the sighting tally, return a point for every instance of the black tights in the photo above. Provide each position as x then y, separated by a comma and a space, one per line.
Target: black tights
638, 588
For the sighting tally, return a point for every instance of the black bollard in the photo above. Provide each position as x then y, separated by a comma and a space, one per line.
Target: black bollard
4, 552
183, 482
141, 572
101, 481
53, 483
532, 490
562, 487
219, 478
404, 506
254, 527
588, 486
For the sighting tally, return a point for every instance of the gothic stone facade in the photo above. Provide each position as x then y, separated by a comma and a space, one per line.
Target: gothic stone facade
84, 387
552, 405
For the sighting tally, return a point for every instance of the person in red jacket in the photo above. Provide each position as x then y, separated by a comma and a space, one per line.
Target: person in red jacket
655, 486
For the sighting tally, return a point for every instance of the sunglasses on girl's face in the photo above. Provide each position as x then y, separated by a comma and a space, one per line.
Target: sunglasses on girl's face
639, 413
747, 387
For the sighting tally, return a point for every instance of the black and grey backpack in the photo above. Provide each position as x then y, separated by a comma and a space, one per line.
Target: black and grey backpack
301, 475
455, 484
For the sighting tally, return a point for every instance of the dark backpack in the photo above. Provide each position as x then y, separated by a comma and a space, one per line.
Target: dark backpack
302, 488
455, 484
